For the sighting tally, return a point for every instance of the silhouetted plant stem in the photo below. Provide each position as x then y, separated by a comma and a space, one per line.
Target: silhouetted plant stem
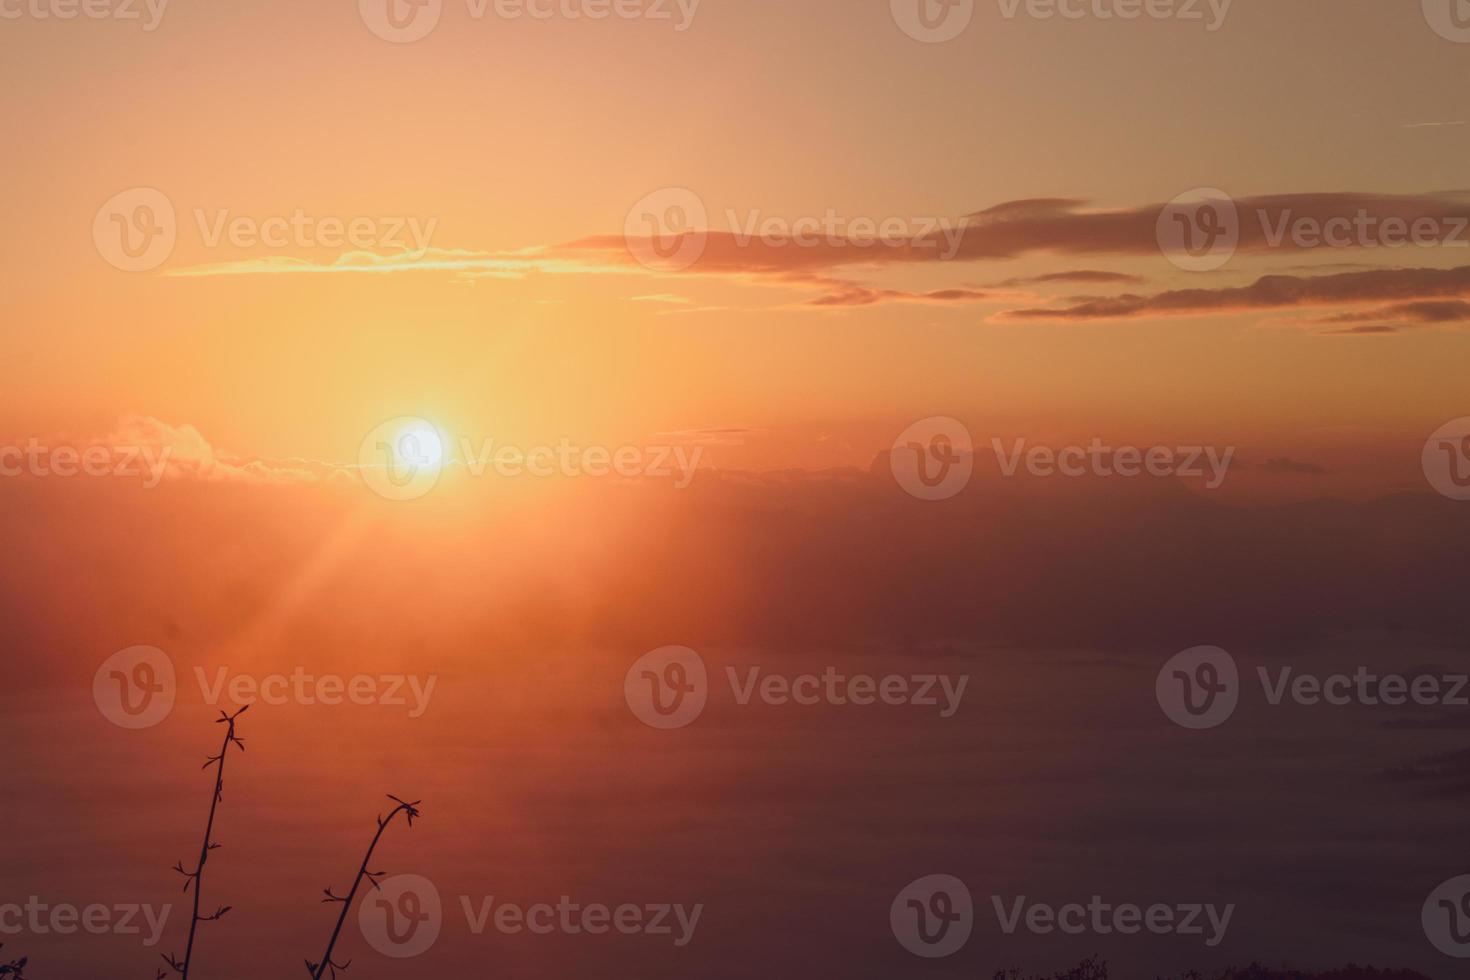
196, 877
15, 969
319, 970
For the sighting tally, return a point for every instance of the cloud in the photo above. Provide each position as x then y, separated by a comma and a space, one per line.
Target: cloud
1420, 311
191, 456
1061, 226
464, 262
1079, 275
1410, 287
731, 436
1376, 329
1011, 230
853, 294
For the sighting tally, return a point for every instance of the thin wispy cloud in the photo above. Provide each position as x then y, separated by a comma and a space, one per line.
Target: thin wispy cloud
1056, 227
1406, 297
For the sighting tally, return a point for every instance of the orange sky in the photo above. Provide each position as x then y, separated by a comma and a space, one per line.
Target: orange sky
252, 233
509, 135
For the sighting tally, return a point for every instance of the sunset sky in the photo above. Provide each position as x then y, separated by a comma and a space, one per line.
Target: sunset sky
516, 135
514, 187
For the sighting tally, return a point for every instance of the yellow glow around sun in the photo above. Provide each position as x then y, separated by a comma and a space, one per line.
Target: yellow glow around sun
418, 444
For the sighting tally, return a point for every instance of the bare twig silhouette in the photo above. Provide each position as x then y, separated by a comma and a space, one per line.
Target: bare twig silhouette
196, 877
15, 969
327, 967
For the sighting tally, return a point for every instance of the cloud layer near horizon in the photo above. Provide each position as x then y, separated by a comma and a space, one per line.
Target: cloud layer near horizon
827, 265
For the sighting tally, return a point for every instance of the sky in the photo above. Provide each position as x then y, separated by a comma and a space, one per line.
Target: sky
510, 135
504, 344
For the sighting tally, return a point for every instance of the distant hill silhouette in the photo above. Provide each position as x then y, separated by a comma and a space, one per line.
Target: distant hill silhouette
1094, 969
1256, 972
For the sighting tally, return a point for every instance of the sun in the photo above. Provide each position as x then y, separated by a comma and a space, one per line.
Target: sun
418, 444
